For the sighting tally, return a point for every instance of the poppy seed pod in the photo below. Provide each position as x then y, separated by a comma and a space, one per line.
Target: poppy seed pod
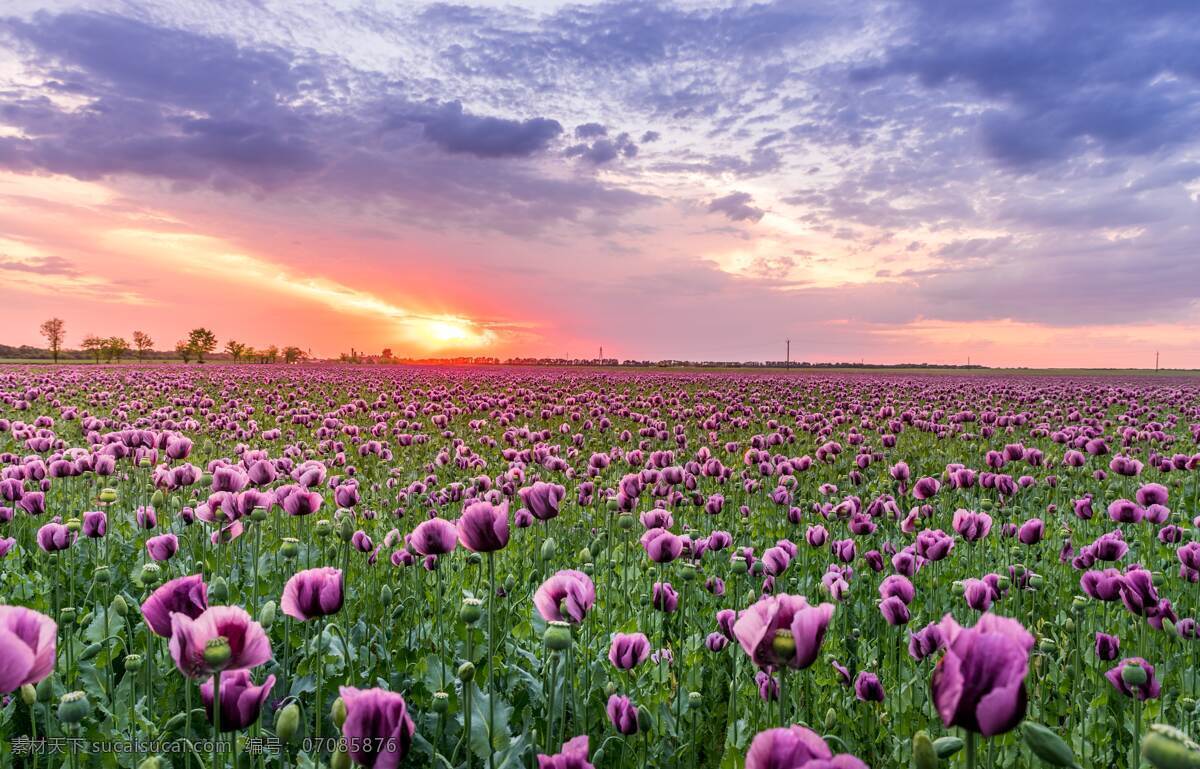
471, 610
1165, 747
289, 548
441, 702
73, 707
558, 635
133, 662
108, 495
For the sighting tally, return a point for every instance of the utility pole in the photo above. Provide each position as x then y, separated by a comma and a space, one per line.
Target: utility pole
1156, 360
601, 353
788, 361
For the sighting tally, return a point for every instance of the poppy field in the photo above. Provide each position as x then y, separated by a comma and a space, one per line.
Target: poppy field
494, 568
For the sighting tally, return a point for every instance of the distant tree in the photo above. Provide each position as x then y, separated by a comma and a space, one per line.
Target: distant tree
54, 330
236, 350
203, 342
143, 343
292, 354
114, 347
387, 353
184, 350
94, 345
271, 353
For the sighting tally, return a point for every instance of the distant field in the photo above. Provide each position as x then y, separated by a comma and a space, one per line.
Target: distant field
794, 371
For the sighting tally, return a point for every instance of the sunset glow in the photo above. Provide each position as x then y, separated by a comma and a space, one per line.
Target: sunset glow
543, 179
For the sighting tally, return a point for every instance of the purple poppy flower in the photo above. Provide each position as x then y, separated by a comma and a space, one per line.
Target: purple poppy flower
378, 730
1107, 646
868, 688
313, 593
574, 755
783, 630
1148, 690
27, 647
191, 639
241, 700
979, 684
795, 747
483, 527
622, 714
565, 597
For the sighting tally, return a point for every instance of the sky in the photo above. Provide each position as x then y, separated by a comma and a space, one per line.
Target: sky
1014, 183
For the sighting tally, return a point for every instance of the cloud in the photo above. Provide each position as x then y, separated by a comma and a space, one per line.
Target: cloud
736, 206
38, 265
454, 130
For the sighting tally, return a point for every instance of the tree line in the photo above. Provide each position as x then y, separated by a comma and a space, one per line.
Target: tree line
196, 346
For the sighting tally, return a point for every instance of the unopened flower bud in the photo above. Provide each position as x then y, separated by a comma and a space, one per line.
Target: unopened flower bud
549, 549
337, 712
287, 722
466, 672
28, 695
266, 615
218, 591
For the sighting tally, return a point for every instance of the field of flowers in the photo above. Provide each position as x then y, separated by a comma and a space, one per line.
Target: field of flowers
509, 568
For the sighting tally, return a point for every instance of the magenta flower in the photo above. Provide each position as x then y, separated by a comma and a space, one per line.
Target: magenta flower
27, 647
758, 627
565, 597
970, 525
145, 517
54, 537
313, 593
622, 714
1149, 690
299, 501
1152, 494
574, 755
241, 700
979, 684
483, 527
664, 597
795, 747
435, 536
868, 688
926, 488
192, 641
899, 586
1107, 646
894, 610
7, 544
661, 545
162, 547
628, 650
378, 729
187, 595
1031, 531
95, 524
542, 499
